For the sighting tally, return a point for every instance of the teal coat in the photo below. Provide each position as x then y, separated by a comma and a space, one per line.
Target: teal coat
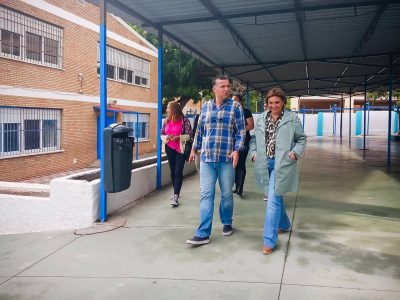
289, 137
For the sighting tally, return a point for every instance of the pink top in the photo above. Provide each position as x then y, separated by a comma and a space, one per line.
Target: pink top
174, 128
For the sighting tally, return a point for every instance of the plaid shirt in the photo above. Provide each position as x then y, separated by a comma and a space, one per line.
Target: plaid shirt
221, 130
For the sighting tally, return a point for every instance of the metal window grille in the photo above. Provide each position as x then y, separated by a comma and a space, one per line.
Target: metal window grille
29, 39
140, 123
125, 67
29, 130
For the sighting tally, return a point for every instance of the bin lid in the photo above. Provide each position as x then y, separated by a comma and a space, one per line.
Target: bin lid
119, 128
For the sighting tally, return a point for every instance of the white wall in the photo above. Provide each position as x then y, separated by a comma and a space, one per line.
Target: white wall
72, 203
378, 123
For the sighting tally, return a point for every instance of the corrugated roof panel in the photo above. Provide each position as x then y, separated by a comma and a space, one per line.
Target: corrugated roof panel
293, 86
255, 76
336, 36
170, 10
218, 46
386, 37
263, 40
290, 71
331, 31
322, 70
234, 6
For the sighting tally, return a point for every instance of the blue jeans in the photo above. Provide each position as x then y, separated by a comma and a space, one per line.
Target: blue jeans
209, 173
275, 217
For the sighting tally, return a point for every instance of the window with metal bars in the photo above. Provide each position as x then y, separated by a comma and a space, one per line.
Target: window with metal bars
29, 39
29, 130
139, 122
125, 67
10, 43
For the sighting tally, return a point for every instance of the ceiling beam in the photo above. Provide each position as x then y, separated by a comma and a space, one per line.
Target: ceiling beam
299, 19
365, 37
327, 79
321, 59
393, 62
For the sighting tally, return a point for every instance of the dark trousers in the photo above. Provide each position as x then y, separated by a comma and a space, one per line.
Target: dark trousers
242, 159
176, 162
240, 171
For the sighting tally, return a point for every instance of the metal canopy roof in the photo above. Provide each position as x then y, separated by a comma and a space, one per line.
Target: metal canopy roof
308, 47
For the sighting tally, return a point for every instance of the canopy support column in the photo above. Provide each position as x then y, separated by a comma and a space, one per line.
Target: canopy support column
390, 112
159, 106
247, 95
365, 117
103, 105
341, 118
262, 102
350, 118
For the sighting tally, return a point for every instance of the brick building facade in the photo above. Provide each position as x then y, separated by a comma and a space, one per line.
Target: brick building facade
49, 86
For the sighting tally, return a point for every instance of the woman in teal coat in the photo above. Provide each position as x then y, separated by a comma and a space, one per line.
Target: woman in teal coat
277, 144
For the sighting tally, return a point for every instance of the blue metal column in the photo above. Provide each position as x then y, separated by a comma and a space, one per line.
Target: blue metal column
341, 118
365, 116
103, 105
247, 96
320, 126
390, 112
368, 109
137, 136
159, 108
304, 117
334, 119
350, 118
262, 102
358, 122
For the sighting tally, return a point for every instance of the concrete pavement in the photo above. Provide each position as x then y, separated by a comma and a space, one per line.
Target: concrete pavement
345, 242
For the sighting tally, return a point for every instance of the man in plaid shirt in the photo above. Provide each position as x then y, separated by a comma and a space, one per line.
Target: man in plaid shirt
219, 137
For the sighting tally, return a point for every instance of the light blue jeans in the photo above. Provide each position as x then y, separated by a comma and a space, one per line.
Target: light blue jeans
276, 217
209, 173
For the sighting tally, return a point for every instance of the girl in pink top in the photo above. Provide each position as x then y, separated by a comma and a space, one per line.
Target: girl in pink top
175, 132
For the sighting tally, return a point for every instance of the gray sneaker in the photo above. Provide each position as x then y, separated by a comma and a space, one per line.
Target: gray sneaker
174, 200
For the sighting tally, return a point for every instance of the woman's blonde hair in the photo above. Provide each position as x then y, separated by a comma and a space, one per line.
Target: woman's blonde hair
277, 92
176, 111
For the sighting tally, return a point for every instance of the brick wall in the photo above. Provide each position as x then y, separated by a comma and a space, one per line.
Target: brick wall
79, 56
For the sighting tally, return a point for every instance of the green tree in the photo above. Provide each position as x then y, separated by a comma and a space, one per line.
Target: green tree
184, 76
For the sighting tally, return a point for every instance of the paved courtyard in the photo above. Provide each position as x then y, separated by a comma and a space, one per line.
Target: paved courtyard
345, 242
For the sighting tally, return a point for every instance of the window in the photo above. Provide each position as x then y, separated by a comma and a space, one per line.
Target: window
29, 130
10, 137
32, 134
33, 46
29, 39
143, 129
49, 133
122, 74
137, 80
139, 123
110, 71
50, 51
130, 76
10, 43
126, 67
